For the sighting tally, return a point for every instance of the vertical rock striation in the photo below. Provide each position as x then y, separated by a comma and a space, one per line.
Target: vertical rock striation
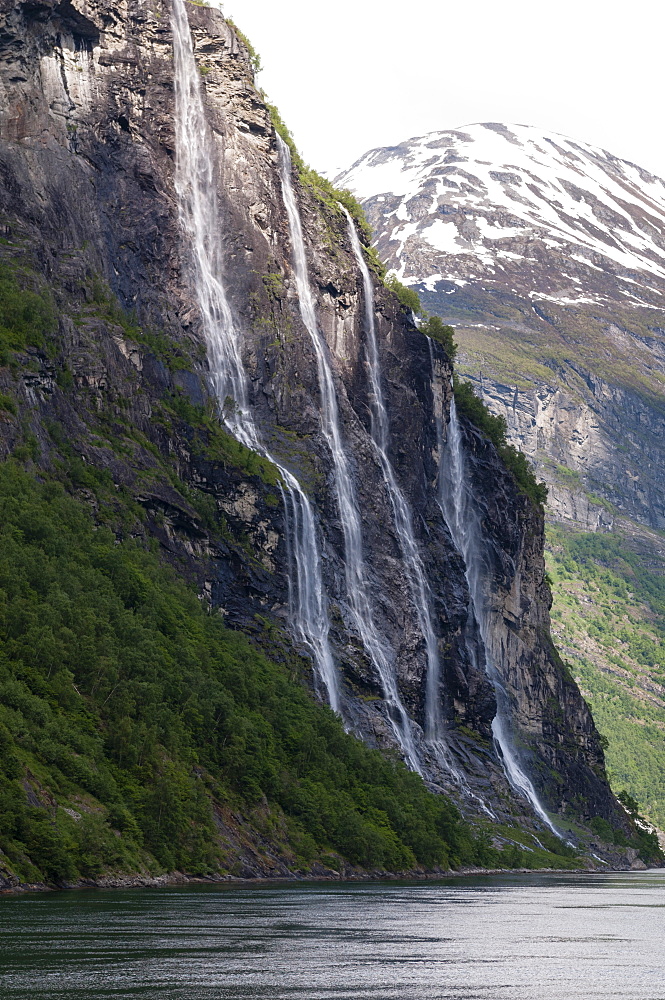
88, 194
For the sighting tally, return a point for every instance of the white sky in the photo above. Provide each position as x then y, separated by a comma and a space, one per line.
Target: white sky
354, 74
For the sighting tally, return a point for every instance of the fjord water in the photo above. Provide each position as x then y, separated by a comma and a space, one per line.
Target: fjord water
463, 520
537, 937
200, 222
355, 567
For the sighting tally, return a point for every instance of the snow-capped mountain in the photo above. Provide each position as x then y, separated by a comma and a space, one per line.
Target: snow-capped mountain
548, 257
559, 218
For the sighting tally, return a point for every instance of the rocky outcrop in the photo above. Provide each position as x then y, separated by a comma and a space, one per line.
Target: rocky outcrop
552, 726
597, 446
88, 208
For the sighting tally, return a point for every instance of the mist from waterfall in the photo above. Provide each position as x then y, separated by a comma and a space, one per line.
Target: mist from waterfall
356, 577
200, 219
412, 563
463, 520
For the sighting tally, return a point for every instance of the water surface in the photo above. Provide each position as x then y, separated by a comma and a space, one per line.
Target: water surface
537, 937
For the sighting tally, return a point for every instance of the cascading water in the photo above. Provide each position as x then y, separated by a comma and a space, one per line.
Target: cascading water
199, 218
463, 520
357, 586
412, 562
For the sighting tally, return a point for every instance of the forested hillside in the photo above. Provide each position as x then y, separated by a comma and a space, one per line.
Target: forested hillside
240, 632
139, 734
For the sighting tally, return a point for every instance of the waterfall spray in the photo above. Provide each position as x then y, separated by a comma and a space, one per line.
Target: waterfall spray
357, 586
200, 222
463, 520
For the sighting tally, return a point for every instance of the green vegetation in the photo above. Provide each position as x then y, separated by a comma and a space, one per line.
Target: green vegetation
521, 849
130, 714
7, 403
27, 313
254, 57
104, 304
501, 335
435, 328
495, 428
327, 193
408, 297
217, 444
468, 403
609, 615
132, 721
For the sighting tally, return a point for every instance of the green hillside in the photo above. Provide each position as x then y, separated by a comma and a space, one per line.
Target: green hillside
128, 708
608, 619
134, 724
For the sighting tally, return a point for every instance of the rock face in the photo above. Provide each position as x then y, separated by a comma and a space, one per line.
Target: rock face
540, 688
548, 256
87, 204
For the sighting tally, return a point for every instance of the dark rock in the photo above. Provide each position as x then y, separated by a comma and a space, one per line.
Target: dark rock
87, 192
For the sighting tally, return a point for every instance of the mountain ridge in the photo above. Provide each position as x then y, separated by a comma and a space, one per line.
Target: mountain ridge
520, 172
564, 368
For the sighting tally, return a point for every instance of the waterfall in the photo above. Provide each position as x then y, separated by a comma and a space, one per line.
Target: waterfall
356, 579
200, 221
413, 565
463, 520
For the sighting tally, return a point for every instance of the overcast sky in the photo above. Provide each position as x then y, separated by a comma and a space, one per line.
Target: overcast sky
355, 74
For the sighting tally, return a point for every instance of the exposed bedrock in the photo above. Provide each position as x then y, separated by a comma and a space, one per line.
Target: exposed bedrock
87, 193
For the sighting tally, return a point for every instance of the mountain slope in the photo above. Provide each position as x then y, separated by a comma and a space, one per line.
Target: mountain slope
171, 277
548, 257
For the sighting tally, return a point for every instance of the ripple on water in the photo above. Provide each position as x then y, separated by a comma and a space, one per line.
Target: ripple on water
540, 937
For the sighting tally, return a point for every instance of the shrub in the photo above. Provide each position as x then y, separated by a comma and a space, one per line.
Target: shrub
435, 328
7, 403
331, 196
407, 296
495, 429
27, 316
254, 57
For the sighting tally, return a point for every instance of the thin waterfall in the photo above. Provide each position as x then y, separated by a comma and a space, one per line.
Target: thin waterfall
412, 562
198, 208
195, 184
462, 517
357, 584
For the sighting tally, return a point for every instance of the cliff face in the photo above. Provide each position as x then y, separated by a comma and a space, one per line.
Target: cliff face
551, 723
593, 434
88, 208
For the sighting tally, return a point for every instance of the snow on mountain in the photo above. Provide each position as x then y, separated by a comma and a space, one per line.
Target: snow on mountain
519, 207
548, 257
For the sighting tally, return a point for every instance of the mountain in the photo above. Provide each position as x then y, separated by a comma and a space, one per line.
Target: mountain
228, 506
548, 257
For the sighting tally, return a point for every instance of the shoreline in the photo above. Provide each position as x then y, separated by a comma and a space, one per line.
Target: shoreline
181, 879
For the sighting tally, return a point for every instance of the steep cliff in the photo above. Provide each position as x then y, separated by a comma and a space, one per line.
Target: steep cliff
110, 383
547, 254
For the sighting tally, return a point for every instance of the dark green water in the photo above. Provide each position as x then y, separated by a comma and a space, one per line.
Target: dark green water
545, 937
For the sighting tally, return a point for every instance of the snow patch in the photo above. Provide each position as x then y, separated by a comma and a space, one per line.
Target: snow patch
568, 196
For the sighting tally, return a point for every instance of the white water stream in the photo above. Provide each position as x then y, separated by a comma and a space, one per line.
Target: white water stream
200, 220
463, 520
412, 562
357, 583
